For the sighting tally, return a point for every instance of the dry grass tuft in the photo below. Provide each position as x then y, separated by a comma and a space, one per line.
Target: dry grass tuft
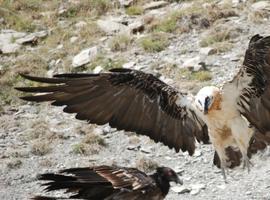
120, 42
40, 147
155, 42
134, 139
14, 164
91, 144
87, 8
134, 10
218, 34
105, 62
195, 16
201, 76
146, 164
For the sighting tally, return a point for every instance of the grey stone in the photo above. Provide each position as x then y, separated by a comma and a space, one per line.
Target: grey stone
85, 56
73, 39
146, 150
155, 5
32, 37
136, 27
111, 27
196, 188
126, 3
261, 5
80, 24
9, 48
208, 51
98, 69
129, 65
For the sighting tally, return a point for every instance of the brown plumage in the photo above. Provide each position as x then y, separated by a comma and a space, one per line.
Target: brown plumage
236, 117
128, 100
110, 183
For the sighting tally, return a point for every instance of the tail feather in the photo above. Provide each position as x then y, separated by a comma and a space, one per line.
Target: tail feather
81, 182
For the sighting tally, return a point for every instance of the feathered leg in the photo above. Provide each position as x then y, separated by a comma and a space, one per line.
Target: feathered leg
242, 135
223, 159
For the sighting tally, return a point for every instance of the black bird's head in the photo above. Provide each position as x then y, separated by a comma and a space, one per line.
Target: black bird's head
168, 175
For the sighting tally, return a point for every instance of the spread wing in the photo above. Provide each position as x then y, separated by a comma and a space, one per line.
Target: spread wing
128, 100
253, 97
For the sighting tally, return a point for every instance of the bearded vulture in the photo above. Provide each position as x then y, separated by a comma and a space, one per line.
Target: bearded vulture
235, 117
110, 182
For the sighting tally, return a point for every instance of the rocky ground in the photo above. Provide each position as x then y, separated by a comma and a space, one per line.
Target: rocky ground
187, 44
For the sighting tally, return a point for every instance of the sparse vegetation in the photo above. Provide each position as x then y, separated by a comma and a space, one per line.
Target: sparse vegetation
91, 144
155, 42
222, 46
14, 164
146, 164
195, 16
87, 7
40, 147
202, 75
214, 36
105, 62
120, 42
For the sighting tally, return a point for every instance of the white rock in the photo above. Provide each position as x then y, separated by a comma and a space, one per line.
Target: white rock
111, 27
261, 5
85, 56
208, 51
31, 37
155, 5
146, 149
60, 46
129, 65
98, 69
197, 153
196, 188
9, 48
223, 186
136, 27
6, 41
80, 24
191, 62
11, 34
73, 39
126, 3
180, 189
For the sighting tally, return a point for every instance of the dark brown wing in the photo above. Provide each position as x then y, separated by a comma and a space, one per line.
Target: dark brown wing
254, 98
120, 177
257, 65
101, 182
128, 100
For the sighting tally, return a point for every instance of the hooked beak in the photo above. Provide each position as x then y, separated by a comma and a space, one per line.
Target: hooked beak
207, 103
205, 111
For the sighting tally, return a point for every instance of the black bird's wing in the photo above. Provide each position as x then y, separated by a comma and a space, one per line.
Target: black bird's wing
97, 183
128, 100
